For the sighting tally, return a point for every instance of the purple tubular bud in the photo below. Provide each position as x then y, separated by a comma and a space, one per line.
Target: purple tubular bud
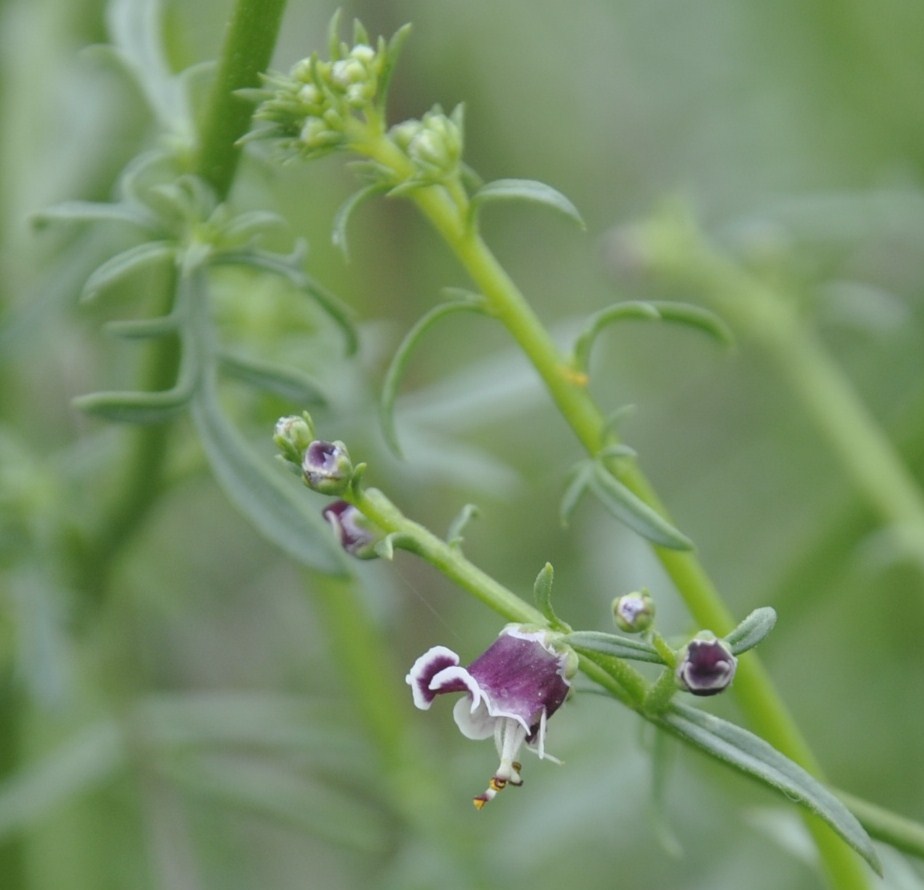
707, 666
356, 534
327, 467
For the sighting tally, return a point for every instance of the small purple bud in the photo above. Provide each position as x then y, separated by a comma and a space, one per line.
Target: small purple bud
327, 467
707, 666
356, 534
634, 612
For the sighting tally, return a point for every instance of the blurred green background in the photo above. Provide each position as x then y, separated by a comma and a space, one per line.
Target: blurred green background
202, 728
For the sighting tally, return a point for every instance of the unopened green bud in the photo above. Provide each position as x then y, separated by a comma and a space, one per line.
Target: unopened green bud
293, 435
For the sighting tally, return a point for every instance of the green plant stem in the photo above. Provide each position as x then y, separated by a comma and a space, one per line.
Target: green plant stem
870, 460
617, 677
248, 48
353, 640
759, 701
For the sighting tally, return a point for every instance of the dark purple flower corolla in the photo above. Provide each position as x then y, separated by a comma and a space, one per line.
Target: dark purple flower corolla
327, 467
707, 667
510, 692
356, 534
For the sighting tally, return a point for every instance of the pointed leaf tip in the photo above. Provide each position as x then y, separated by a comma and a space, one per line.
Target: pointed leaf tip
525, 190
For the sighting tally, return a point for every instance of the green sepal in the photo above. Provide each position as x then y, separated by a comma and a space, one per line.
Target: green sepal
391, 542
753, 756
345, 212
523, 190
401, 357
631, 510
124, 264
752, 630
679, 313
616, 646
279, 510
465, 516
542, 595
243, 228
615, 419
286, 267
288, 383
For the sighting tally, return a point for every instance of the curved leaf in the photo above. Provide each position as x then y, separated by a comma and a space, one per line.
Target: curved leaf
289, 383
345, 212
284, 513
678, 313
454, 534
580, 482
146, 407
616, 646
755, 757
542, 594
752, 630
524, 190
401, 358
276, 264
124, 264
634, 512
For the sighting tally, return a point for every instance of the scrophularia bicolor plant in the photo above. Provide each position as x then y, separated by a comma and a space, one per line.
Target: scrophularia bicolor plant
510, 691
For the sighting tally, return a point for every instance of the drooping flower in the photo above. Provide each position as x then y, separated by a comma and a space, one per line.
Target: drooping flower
708, 665
356, 534
510, 691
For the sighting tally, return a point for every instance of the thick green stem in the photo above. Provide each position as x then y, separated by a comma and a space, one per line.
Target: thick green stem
247, 51
763, 707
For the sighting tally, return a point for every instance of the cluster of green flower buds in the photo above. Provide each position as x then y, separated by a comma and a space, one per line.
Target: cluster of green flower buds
309, 110
433, 144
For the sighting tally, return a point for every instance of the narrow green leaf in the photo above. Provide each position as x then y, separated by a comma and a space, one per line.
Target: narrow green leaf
634, 512
457, 526
581, 475
542, 594
288, 383
93, 211
246, 226
755, 757
402, 356
524, 190
83, 762
617, 646
276, 264
124, 264
284, 513
752, 630
145, 328
636, 310
345, 212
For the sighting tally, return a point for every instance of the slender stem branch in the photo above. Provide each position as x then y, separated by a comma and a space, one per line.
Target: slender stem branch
758, 698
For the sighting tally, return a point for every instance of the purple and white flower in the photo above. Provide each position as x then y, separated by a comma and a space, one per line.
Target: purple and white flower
327, 467
708, 665
356, 534
510, 691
